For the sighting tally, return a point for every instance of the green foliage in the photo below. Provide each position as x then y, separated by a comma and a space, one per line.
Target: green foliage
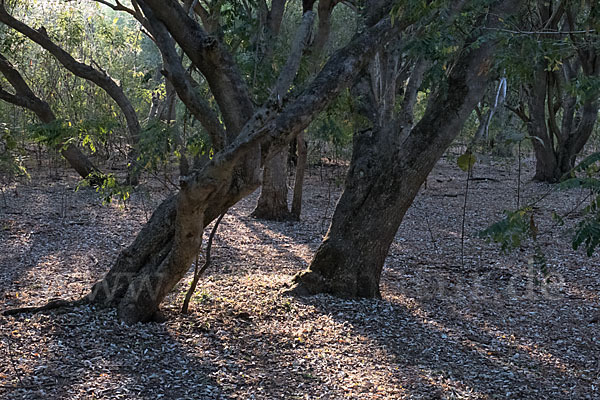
587, 231
466, 161
590, 165
157, 143
108, 188
96, 132
416, 10
11, 155
55, 133
337, 124
519, 225
93, 35
512, 230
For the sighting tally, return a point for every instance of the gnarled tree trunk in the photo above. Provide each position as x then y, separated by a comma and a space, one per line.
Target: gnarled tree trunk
560, 122
162, 252
386, 172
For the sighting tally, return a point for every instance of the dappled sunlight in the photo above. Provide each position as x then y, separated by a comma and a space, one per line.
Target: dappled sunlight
264, 244
508, 351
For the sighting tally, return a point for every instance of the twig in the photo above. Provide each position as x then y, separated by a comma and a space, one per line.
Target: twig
464, 216
435, 248
519, 177
519, 32
198, 273
3, 197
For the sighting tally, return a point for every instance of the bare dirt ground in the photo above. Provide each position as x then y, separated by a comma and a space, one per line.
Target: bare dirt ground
483, 329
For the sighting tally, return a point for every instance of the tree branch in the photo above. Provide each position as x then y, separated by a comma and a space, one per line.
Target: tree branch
290, 69
182, 81
82, 70
212, 59
24, 97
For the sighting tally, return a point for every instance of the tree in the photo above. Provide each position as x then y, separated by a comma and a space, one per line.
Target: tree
273, 201
391, 161
89, 72
162, 252
23, 96
560, 84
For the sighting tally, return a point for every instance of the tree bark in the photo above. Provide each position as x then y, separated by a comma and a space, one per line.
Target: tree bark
163, 251
386, 171
556, 148
272, 203
560, 123
299, 181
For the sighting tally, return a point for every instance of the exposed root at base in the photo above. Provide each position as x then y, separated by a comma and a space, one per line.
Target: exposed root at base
51, 305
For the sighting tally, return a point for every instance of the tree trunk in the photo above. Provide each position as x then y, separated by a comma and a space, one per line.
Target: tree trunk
546, 168
272, 203
386, 172
350, 260
560, 122
299, 181
144, 272
556, 148
80, 162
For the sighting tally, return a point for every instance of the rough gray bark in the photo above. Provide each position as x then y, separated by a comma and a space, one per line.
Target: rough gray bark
24, 97
272, 203
163, 251
559, 122
299, 181
387, 169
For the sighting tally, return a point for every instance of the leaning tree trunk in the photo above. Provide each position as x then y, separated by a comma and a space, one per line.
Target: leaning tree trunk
386, 172
350, 260
144, 273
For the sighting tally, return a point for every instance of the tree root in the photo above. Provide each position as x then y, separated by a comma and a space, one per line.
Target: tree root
51, 305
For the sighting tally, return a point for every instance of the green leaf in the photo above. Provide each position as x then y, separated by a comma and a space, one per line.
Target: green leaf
466, 161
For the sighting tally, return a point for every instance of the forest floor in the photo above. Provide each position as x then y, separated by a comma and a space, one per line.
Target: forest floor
488, 327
